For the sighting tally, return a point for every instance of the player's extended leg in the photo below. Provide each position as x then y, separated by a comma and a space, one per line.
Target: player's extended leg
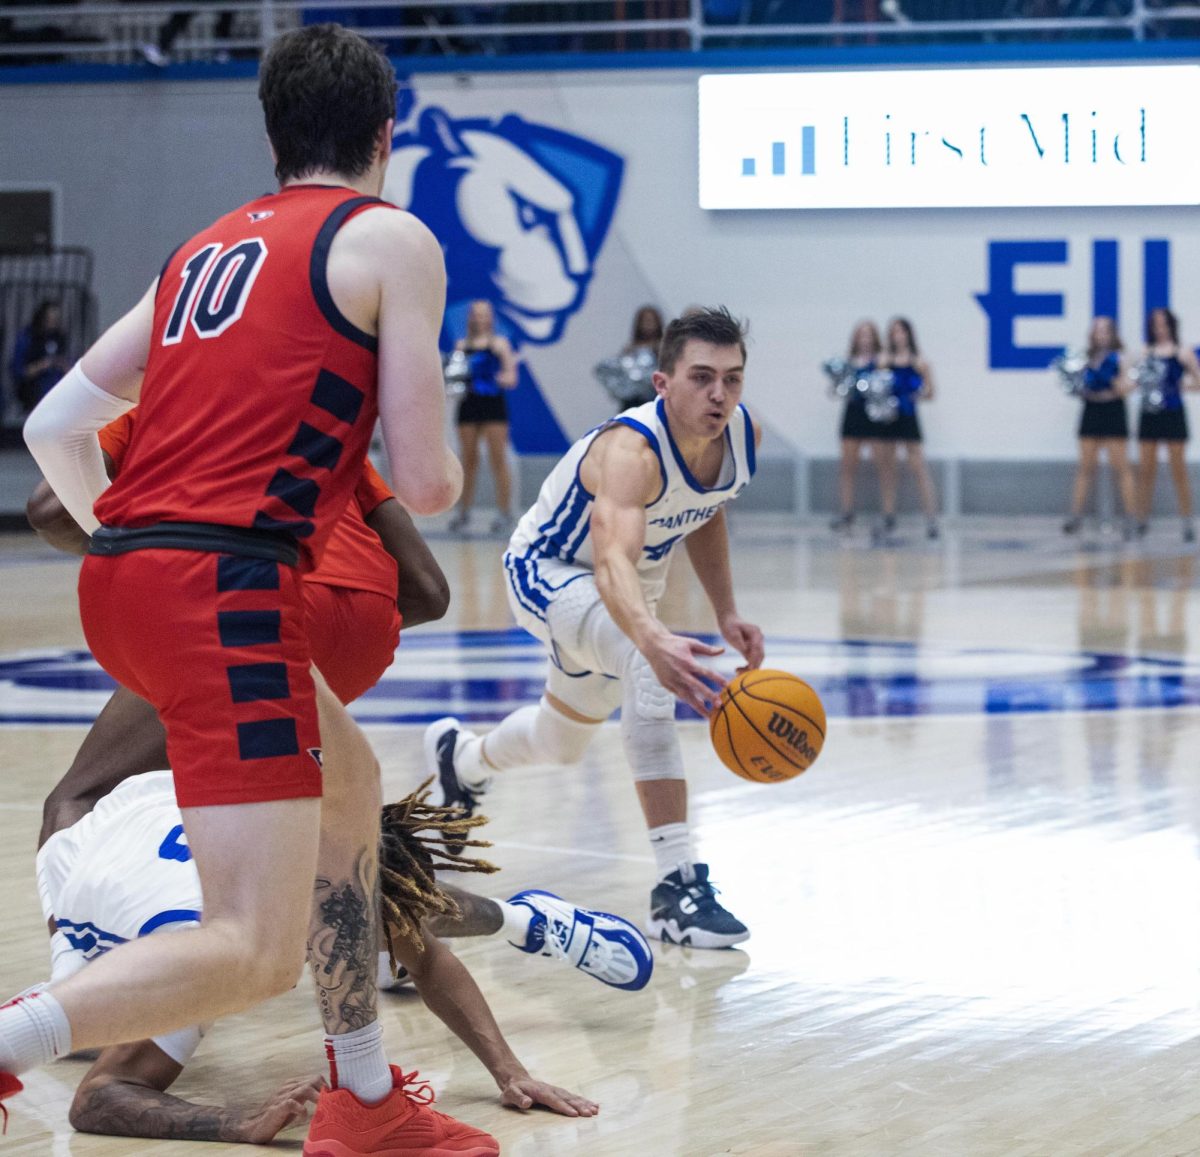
599, 944
127, 739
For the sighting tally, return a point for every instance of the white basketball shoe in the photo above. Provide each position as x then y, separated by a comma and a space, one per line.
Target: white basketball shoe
603, 945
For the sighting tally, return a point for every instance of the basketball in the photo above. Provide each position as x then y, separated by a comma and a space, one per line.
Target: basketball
768, 726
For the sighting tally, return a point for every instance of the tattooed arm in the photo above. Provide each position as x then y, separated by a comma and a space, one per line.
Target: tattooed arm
124, 1095
450, 992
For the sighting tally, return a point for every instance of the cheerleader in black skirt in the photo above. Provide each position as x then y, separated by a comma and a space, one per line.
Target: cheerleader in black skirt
1167, 425
483, 413
1104, 425
858, 430
912, 380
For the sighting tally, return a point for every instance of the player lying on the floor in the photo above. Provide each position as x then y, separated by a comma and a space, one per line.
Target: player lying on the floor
125, 869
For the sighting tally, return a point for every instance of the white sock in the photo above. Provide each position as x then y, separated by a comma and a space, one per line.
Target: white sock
672, 846
357, 1062
34, 1030
517, 918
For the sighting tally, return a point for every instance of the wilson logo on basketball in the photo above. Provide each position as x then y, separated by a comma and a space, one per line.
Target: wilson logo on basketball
791, 735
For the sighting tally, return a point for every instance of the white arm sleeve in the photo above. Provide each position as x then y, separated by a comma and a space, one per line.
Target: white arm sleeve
61, 435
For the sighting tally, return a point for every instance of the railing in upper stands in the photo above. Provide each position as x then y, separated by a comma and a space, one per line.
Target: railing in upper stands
88, 31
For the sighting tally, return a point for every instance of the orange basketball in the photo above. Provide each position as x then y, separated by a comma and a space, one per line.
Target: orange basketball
768, 726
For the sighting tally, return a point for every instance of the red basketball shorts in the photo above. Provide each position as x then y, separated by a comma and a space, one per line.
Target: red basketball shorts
217, 643
352, 636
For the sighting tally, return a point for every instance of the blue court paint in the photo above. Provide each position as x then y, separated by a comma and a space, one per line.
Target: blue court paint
480, 676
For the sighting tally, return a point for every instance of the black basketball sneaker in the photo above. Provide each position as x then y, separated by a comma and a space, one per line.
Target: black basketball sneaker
684, 910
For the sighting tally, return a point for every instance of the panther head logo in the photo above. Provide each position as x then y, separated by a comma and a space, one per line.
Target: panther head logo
521, 210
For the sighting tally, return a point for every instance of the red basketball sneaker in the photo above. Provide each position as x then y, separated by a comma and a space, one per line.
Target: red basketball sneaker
401, 1125
9, 1086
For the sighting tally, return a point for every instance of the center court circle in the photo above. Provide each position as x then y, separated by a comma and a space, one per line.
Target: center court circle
480, 676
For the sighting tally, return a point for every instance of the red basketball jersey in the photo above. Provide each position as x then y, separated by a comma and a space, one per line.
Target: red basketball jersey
259, 397
354, 556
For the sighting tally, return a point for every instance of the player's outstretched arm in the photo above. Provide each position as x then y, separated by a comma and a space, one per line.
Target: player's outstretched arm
124, 1095
426, 476
450, 992
623, 473
708, 550
423, 594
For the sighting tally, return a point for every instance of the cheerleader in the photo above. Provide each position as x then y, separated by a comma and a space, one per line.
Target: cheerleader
1166, 423
647, 331
912, 380
483, 413
857, 428
1104, 424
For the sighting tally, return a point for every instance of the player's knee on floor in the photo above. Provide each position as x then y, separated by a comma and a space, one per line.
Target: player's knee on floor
648, 725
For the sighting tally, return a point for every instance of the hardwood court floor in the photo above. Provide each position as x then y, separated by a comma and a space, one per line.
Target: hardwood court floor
974, 921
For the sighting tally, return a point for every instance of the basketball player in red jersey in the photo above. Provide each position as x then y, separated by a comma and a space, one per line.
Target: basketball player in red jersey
376, 574
260, 359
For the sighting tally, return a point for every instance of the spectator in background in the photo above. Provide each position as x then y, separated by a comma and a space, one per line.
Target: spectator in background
159, 53
39, 356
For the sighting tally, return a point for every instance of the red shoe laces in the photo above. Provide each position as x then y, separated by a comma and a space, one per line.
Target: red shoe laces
416, 1090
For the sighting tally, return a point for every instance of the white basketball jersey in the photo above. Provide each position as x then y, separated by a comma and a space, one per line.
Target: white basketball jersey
558, 525
123, 871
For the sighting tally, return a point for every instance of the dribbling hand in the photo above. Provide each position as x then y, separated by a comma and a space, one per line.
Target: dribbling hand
674, 660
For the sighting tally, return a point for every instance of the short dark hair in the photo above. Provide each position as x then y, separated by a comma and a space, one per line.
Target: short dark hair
715, 325
325, 93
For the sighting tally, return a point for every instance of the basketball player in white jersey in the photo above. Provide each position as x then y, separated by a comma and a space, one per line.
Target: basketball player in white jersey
586, 567
125, 870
